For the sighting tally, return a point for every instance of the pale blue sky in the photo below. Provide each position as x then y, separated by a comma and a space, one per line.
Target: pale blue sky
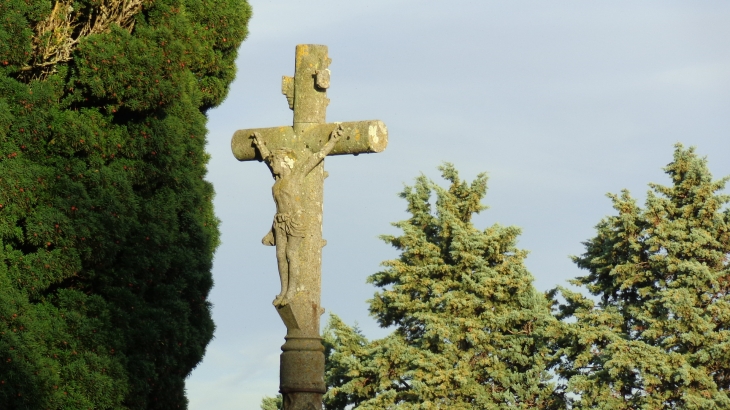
559, 102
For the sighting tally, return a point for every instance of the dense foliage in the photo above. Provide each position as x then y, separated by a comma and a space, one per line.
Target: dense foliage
106, 225
272, 403
658, 336
471, 332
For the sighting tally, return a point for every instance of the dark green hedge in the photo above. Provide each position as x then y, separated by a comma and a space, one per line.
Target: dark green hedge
107, 229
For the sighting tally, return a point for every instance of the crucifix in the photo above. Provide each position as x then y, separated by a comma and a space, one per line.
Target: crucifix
295, 155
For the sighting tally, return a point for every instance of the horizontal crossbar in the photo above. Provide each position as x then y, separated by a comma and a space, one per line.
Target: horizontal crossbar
359, 137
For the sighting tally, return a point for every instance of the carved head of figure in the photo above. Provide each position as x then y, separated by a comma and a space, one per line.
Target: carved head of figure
282, 161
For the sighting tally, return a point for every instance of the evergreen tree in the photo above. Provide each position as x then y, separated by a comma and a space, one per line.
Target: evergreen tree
106, 225
658, 336
272, 403
471, 332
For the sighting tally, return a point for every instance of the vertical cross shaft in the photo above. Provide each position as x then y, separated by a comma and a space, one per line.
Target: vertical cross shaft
301, 377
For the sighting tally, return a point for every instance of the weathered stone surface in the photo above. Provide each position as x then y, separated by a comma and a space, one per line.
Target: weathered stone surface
276, 137
359, 137
295, 155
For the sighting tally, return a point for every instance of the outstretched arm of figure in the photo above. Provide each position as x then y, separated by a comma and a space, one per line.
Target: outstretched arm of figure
328, 147
260, 145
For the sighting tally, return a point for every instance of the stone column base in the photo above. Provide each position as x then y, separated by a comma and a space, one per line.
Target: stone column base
301, 373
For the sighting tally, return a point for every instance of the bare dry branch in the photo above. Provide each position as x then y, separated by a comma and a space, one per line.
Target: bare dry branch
57, 36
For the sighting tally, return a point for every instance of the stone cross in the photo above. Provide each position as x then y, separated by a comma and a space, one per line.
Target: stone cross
295, 155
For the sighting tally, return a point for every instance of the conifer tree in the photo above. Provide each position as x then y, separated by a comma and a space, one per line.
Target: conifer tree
272, 403
471, 332
106, 224
658, 335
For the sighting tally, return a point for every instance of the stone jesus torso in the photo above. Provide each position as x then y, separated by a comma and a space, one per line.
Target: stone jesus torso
287, 194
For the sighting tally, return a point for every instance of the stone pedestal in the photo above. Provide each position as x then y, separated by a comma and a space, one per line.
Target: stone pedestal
301, 373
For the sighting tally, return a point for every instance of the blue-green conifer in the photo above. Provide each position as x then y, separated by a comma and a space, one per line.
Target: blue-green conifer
657, 333
471, 331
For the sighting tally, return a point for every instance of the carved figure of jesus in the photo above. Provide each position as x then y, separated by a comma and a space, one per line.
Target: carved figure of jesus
288, 228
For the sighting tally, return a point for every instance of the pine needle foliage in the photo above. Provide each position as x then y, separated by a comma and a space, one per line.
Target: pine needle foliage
471, 332
107, 229
272, 403
658, 336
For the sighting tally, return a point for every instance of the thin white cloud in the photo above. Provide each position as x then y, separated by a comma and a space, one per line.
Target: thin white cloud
712, 77
235, 376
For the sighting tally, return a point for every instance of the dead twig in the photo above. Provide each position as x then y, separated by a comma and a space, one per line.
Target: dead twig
57, 36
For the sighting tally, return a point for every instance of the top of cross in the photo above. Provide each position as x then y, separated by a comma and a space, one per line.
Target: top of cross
306, 94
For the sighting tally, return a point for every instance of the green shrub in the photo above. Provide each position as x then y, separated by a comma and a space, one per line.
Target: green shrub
107, 229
